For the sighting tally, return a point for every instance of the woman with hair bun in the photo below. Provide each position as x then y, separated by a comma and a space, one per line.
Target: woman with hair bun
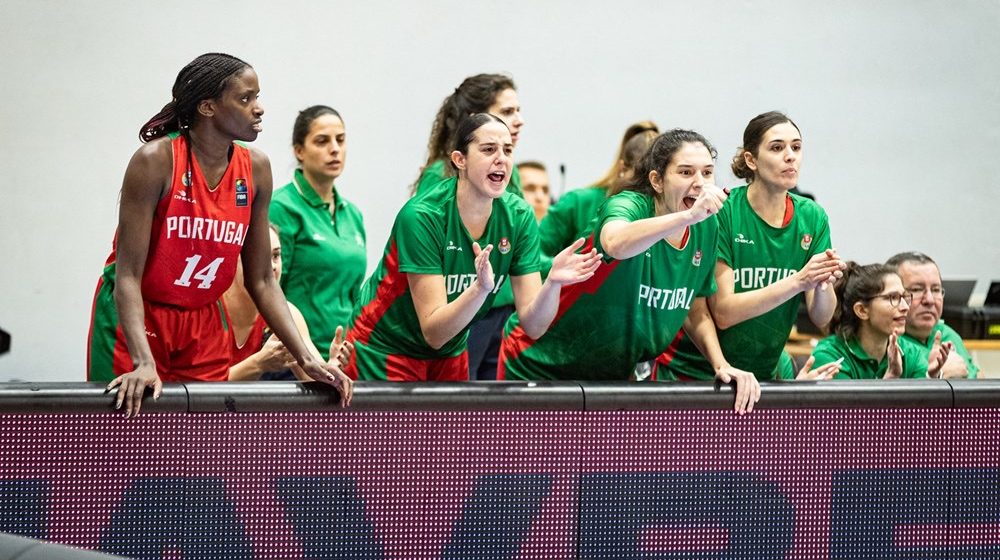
774, 250
867, 325
193, 200
494, 94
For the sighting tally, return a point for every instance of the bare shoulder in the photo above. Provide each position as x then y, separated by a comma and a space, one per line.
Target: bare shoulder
149, 171
156, 155
261, 167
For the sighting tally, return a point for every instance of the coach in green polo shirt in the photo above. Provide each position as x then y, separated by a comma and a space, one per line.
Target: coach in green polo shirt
322, 234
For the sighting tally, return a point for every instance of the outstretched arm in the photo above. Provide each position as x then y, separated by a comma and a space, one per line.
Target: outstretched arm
266, 294
538, 302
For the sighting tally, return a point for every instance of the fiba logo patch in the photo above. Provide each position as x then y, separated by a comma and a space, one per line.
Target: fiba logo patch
696, 261
186, 179
504, 246
242, 196
807, 241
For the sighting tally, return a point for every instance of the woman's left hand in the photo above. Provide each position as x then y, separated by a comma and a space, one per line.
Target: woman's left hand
570, 267
747, 387
330, 374
938, 356
895, 369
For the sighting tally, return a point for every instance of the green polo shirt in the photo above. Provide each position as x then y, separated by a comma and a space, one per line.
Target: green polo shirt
948, 334
323, 256
857, 364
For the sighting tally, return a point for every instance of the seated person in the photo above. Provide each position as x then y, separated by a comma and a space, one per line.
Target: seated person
254, 355
922, 278
866, 326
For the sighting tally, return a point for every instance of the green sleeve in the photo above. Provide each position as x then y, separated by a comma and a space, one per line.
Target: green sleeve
431, 175
288, 225
555, 230
418, 241
725, 245
949, 334
526, 254
822, 241
709, 287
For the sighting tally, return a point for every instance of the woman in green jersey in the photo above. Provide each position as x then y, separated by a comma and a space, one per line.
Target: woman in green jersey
324, 258
867, 325
571, 215
774, 250
660, 237
449, 252
495, 94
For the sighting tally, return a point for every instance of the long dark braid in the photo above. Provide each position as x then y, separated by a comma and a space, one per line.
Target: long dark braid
203, 78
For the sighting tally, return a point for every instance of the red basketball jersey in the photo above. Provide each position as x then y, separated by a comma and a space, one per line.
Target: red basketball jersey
197, 232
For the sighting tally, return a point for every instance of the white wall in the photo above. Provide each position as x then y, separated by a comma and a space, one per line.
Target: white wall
898, 101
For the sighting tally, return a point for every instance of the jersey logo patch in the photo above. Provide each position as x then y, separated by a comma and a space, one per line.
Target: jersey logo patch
740, 239
242, 196
452, 247
697, 258
504, 246
183, 195
807, 241
186, 179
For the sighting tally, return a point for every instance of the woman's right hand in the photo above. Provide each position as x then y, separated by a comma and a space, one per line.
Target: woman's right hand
709, 202
131, 387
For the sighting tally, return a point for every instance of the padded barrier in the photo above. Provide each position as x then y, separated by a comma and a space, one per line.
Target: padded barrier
845, 470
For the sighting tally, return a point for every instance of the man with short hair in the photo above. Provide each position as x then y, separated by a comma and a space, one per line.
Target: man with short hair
922, 278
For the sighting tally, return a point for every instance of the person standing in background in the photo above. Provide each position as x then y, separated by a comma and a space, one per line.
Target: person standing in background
322, 234
570, 217
535, 187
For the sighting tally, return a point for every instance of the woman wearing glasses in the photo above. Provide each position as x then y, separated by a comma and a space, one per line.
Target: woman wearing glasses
870, 314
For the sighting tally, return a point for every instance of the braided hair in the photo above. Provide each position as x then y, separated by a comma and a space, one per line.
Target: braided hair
203, 78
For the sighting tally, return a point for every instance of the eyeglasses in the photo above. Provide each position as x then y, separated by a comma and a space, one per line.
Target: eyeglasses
895, 298
937, 292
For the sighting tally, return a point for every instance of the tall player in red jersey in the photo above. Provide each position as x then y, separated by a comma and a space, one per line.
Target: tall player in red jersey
192, 201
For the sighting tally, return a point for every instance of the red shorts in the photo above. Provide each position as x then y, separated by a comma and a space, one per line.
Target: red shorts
187, 344
370, 364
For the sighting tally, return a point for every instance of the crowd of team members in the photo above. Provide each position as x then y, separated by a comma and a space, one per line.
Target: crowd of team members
653, 272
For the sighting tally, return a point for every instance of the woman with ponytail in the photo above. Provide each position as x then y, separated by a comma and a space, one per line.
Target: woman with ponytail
866, 326
494, 94
570, 217
193, 200
774, 252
